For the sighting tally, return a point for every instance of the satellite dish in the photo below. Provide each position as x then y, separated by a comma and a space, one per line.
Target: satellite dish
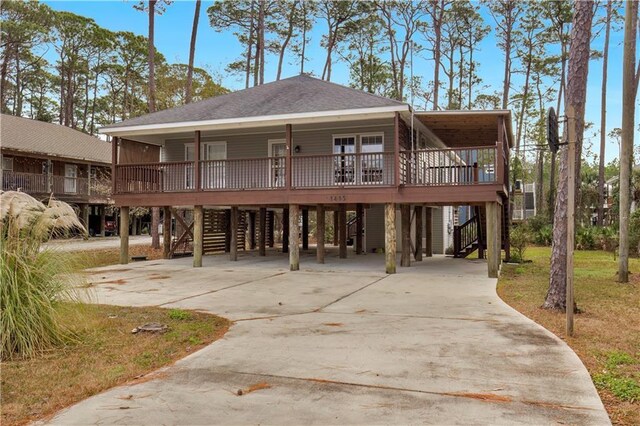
552, 130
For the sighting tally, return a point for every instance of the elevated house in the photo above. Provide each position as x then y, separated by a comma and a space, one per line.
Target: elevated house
303, 144
44, 159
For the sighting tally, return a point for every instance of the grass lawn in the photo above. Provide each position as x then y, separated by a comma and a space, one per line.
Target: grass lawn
607, 332
104, 354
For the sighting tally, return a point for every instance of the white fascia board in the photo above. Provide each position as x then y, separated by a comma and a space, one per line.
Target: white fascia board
260, 121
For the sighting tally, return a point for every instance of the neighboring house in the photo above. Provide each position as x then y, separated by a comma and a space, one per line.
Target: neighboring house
524, 201
303, 144
44, 159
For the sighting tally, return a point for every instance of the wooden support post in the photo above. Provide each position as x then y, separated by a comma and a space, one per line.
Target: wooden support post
103, 220
227, 231
294, 237
198, 234
252, 230
196, 161
262, 236
396, 149
124, 235
359, 227
114, 163
285, 230
288, 161
233, 249
493, 254
85, 216
336, 227
166, 232
405, 219
419, 226
272, 223
305, 229
390, 237
320, 234
428, 223
342, 225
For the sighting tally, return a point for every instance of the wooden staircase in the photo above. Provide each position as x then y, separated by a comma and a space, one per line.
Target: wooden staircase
471, 235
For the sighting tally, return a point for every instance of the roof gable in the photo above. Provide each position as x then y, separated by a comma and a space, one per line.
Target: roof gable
295, 95
27, 135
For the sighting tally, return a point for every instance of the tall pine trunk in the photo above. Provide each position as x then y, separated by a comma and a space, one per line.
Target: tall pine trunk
626, 148
155, 211
576, 97
603, 117
192, 53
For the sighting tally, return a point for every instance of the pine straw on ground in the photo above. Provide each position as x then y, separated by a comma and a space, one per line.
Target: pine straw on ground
111, 256
104, 354
607, 330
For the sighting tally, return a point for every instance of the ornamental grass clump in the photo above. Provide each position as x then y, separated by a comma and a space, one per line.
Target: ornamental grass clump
33, 280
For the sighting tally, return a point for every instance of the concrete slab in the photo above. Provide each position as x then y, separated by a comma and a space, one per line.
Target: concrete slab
343, 343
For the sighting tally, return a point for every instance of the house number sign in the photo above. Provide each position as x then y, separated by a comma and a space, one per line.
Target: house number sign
338, 198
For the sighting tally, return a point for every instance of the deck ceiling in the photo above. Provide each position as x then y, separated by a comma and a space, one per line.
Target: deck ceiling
465, 128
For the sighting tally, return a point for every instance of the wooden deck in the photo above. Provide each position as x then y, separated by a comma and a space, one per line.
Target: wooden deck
434, 176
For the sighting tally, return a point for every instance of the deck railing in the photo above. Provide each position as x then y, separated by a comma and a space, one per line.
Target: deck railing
34, 183
452, 166
325, 171
432, 167
25, 182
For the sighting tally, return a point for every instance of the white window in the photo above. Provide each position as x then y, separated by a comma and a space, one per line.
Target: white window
344, 162
212, 167
371, 159
7, 163
277, 153
70, 178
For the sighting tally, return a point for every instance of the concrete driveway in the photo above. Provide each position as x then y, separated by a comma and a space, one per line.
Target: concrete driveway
343, 343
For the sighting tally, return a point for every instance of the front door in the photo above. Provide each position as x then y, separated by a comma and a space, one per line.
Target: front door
277, 152
70, 178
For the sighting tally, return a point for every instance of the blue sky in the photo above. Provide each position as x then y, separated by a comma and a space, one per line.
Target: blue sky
215, 50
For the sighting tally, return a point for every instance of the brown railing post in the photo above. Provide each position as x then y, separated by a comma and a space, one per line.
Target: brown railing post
287, 164
396, 149
456, 240
114, 163
196, 161
499, 156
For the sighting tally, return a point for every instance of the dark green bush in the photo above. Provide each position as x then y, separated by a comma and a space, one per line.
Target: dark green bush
544, 236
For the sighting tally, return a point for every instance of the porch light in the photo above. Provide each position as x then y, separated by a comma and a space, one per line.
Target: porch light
297, 149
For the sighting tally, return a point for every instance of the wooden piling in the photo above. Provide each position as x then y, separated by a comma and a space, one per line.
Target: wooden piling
124, 235
320, 233
405, 219
342, 225
233, 249
418, 249
198, 234
262, 236
390, 237
294, 237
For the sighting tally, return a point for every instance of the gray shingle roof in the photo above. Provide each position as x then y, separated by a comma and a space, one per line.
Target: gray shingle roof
294, 95
26, 135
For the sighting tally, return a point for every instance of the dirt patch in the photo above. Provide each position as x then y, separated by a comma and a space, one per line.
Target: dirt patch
159, 277
333, 324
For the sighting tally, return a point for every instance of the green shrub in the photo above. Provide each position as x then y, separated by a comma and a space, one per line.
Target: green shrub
520, 238
538, 222
586, 238
634, 232
544, 236
33, 280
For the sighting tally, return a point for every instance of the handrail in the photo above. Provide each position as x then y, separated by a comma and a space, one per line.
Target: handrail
465, 235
